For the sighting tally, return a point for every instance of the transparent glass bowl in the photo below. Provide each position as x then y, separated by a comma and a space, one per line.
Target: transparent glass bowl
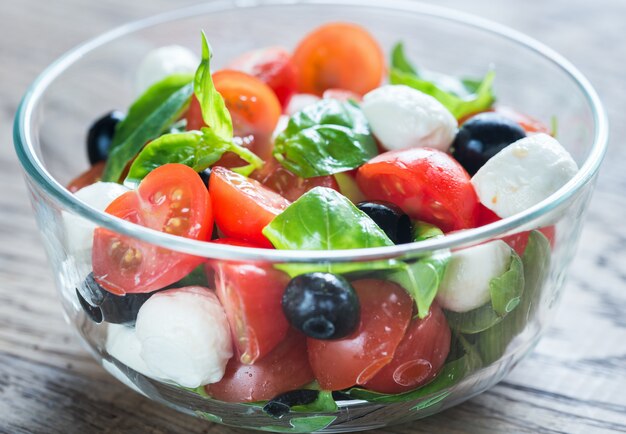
96, 77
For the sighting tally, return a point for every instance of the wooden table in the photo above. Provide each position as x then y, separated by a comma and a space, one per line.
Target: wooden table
574, 382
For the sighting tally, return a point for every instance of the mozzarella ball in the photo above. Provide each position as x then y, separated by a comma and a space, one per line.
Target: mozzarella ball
523, 174
282, 123
465, 284
122, 343
164, 61
300, 101
184, 336
79, 231
402, 117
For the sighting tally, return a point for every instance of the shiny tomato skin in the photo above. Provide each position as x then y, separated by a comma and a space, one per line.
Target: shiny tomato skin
385, 314
89, 177
285, 368
242, 206
171, 199
251, 295
275, 177
428, 184
338, 55
274, 67
419, 357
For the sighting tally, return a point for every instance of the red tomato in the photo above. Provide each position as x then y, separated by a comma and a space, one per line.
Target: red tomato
289, 185
385, 314
171, 199
251, 295
243, 206
89, 177
339, 55
427, 184
486, 216
285, 368
419, 357
274, 67
528, 123
342, 95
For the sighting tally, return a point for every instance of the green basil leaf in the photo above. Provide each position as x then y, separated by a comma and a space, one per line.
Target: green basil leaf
421, 277
214, 111
506, 293
323, 403
493, 342
323, 219
303, 424
189, 148
147, 118
461, 96
325, 138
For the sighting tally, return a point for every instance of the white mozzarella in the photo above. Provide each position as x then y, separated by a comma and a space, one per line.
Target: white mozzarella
122, 343
184, 336
465, 285
402, 117
79, 231
164, 61
283, 120
523, 174
300, 101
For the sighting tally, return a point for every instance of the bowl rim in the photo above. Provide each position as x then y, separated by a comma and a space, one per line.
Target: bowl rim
23, 141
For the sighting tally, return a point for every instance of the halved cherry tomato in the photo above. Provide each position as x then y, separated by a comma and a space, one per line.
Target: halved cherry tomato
89, 177
285, 368
251, 295
339, 55
427, 184
243, 206
274, 67
289, 185
171, 199
385, 314
342, 95
419, 357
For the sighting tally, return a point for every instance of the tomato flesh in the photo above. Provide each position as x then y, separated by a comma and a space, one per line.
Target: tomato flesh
289, 185
274, 67
285, 368
251, 295
385, 314
171, 199
426, 183
419, 357
89, 177
242, 206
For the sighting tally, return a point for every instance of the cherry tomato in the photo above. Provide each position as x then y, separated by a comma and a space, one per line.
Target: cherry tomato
171, 199
342, 95
528, 123
427, 184
419, 357
243, 206
251, 295
274, 67
89, 177
289, 185
339, 55
285, 368
385, 314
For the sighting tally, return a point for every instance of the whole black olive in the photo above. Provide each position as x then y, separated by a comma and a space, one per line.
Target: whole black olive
280, 405
391, 219
100, 135
100, 305
483, 136
321, 305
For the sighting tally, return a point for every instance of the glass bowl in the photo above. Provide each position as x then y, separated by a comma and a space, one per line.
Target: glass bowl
96, 77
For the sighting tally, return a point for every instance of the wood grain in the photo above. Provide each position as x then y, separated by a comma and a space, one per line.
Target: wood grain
574, 382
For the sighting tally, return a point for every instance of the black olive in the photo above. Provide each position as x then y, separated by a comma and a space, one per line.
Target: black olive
391, 219
322, 305
205, 175
483, 136
280, 405
100, 135
100, 305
